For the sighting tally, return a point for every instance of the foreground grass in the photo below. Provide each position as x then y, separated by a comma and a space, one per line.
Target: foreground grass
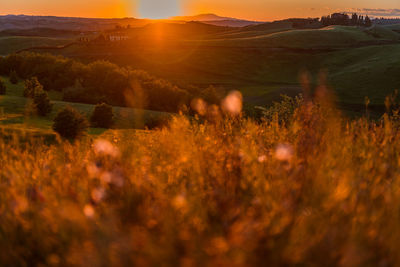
319, 190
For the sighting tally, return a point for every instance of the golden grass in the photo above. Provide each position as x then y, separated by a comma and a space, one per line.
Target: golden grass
320, 190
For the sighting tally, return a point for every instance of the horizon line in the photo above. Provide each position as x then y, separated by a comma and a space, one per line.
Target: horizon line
199, 14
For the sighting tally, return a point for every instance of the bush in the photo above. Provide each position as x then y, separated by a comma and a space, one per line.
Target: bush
102, 116
157, 122
2, 88
283, 110
211, 95
69, 123
99, 80
32, 86
13, 77
42, 104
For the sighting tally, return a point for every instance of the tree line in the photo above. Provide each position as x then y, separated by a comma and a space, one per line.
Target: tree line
101, 82
345, 20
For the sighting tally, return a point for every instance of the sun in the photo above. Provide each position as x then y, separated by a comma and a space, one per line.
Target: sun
159, 9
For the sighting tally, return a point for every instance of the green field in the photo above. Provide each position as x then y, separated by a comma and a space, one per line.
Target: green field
264, 61
15, 110
11, 44
327, 37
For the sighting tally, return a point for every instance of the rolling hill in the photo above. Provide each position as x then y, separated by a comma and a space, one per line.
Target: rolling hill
217, 20
66, 23
14, 107
261, 60
327, 37
11, 44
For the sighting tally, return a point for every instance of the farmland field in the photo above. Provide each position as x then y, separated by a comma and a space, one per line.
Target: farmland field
263, 63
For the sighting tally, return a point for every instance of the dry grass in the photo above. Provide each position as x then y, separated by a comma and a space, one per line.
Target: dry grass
319, 190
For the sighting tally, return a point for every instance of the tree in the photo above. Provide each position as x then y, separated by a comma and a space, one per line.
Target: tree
13, 77
211, 95
284, 110
70, 124
32, 86
360, 20
354, 19
2, 88
368, 22
42, 103
102, 116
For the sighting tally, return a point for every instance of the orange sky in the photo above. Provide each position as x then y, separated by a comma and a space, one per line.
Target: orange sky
249, 9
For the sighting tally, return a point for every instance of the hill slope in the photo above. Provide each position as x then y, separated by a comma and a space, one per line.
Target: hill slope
217, 20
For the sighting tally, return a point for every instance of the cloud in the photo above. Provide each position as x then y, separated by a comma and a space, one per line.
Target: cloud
372, 12
377, 12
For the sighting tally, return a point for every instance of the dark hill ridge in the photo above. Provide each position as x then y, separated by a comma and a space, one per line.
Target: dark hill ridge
182, 29
231, 23
66, 23
20, 22
203, 17
216, 20
286, 24
41, 32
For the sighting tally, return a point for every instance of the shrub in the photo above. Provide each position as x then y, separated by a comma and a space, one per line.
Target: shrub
42, 103
13, 77
99, 80
102, 116
32, 86
211, 95
157, 122
283, 110
69, 123
2, 88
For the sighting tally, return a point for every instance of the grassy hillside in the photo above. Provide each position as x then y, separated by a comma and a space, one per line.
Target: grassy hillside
39, 32
262, 61
253, 31
12, 44
368, 71
15, 113
395, 27
328, 37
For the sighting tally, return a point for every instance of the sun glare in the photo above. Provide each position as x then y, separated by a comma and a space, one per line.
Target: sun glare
159, 9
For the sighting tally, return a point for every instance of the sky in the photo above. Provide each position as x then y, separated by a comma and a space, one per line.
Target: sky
262, 10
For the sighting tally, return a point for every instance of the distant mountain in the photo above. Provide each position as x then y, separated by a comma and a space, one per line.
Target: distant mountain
203, 17
217, 20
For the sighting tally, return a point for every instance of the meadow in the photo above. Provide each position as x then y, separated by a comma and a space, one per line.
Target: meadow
309, 180
264, 61
11, 44
308, 187
17, 116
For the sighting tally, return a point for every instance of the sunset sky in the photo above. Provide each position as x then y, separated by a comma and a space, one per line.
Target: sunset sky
249, 9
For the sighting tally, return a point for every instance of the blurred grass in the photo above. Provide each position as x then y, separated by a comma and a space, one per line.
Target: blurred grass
315, 190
